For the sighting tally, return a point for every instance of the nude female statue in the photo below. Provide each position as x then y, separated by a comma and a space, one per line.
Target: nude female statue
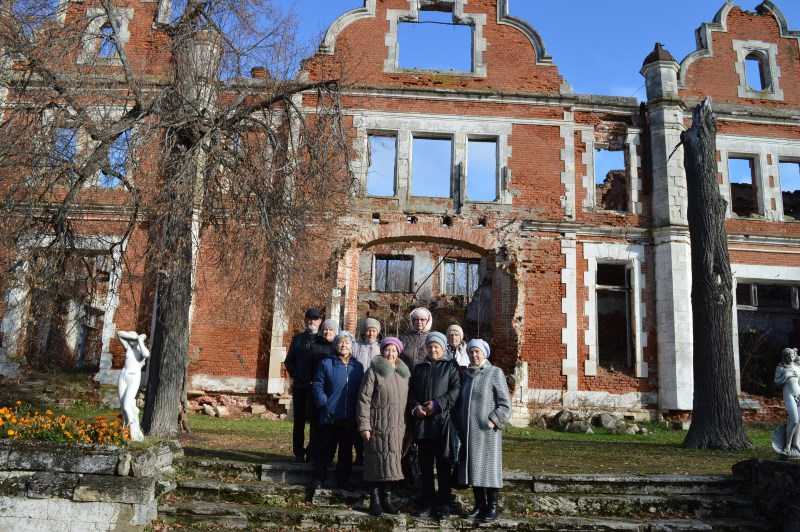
136, 354
786, 439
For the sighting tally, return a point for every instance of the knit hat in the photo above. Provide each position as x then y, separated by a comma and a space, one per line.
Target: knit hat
372, 322
391, 340
338, 340
480, 344
313, 314
330, 324
436, 337
455, 328
421, 312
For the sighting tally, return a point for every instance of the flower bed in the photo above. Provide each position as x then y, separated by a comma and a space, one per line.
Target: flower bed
24, 424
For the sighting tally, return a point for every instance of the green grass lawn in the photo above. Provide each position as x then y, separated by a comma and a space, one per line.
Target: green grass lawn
532, 450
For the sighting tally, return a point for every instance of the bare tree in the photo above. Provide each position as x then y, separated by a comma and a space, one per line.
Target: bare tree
104, 143
717, 417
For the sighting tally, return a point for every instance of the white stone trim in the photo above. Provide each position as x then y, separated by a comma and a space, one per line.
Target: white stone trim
475, 20
633, 256
120, 17
504, 18
632, 141
569, 334
544, 398
568, 174
705, 40
588, 160
328, 45
219, 384
769, 51
460, 129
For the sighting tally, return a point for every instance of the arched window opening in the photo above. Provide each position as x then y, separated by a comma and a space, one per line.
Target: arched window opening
108, 47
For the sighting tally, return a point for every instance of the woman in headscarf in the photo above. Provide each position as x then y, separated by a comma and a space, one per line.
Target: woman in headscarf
433, 391
483, 409
335, 387
369, 347
381, 423
420, 322
456, 346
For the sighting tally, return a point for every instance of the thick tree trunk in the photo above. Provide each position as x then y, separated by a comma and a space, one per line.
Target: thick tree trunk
717, 417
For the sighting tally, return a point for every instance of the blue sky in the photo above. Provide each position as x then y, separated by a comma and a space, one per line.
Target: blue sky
598, 45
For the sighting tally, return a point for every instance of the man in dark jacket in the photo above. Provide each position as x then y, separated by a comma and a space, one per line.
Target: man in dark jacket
433, 391
300, 364
335, 386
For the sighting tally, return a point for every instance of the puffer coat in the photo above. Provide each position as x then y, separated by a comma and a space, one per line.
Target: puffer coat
366, 352
335, 389
415, 350
381, 410
438, 381
484, 397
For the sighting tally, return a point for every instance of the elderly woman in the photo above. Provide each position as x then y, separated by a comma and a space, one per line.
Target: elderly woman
482, 412
366, 350
456, 346
335, 388
433, 392
421, 322
381, 423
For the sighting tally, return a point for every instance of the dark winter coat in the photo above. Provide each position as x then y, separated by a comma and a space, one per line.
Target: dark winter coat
439, 381
321, 349
484, 397
301, 359
335, 389
381, 410
414, 350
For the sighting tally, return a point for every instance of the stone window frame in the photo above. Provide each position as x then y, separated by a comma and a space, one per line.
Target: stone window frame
443, 274
406, 126
632, 163
476, 20
754, 273
768, 58
16, 302
387, 256
768, 153
363, 182
454, 177
98, 17
633, 256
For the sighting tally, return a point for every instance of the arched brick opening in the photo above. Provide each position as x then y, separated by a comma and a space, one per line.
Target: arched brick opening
489, 311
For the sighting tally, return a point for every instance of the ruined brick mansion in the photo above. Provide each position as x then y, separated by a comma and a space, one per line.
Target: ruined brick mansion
552, 223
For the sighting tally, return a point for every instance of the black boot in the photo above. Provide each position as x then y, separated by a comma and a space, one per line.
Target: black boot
386, 500
375, 508
480, 503
490, 514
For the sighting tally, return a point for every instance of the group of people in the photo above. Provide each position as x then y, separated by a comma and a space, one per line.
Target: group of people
428, 408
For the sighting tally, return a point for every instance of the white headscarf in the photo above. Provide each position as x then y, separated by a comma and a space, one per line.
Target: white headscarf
421, 312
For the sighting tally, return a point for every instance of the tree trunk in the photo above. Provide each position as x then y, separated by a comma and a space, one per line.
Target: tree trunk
717, 417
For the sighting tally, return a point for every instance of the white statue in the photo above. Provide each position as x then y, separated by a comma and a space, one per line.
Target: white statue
136, 354
786, 438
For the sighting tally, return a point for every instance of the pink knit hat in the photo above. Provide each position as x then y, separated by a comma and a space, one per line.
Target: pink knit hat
391, 340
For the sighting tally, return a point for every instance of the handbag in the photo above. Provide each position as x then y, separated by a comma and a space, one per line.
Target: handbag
451, 441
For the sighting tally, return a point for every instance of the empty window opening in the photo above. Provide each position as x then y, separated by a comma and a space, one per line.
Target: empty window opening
756, 72
790, 188
376, 217
117, 162
482, 170
67, 307
435, 43
611, 180
32, 14
461, 277
768, 317
107, 47
64, 147
614, 323
741, 174
447, 221
482, 222
393, 274
382, 165
411, 220
432, 167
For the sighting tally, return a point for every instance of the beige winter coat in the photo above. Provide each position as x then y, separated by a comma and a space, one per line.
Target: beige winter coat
381, 409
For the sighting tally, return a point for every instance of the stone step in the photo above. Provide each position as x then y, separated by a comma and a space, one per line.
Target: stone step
513, 501
634, 484
198, 515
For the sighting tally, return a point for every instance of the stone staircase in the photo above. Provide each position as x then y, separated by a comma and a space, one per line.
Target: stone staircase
223, 495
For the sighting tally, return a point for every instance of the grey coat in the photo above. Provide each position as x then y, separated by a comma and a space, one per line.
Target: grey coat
381, 410
365, 352
484, 397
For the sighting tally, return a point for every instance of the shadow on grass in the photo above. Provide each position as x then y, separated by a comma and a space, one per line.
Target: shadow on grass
234, 455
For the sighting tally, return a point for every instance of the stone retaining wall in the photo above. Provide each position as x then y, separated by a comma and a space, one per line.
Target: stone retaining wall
49, 487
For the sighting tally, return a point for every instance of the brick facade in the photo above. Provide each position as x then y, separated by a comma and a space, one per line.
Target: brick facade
541, 242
